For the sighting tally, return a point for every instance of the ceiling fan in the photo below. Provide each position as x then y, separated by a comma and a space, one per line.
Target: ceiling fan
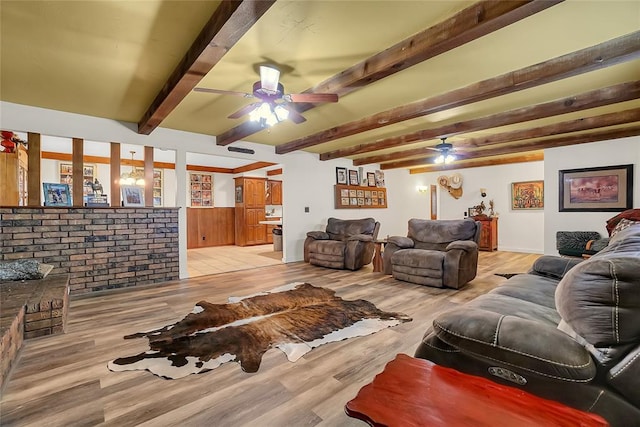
273, 103
445, 150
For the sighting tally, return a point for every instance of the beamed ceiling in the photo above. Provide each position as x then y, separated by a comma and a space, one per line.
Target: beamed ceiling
500, 80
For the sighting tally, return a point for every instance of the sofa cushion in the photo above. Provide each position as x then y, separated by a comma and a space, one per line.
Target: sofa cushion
441, 231
528, 346
418, 258
327, 247
341, 228
600, 298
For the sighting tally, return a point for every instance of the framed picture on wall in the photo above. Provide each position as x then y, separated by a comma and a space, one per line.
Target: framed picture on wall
341, 175
599, 189
371, 179
353, 177
527, 195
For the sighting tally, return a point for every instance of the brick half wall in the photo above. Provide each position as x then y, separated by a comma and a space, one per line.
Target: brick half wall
100, 248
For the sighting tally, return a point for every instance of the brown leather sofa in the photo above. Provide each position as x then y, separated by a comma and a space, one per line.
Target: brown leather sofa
439, 253
568, 330
345, 244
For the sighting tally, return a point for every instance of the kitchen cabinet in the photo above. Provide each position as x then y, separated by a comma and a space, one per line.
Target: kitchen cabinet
488, 233
274, 192
270, 228
249, 211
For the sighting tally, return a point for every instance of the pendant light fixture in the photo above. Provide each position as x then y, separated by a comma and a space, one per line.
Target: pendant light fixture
134, 177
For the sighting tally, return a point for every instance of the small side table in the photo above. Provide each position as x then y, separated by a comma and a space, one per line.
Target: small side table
416, 392
377, 257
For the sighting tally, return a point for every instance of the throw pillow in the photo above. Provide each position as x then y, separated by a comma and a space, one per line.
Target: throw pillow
624, 223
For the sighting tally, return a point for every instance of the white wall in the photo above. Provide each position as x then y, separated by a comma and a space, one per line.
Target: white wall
608, 153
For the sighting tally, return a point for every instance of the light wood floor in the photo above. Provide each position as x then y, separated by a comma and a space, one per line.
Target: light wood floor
222, 259
64, 381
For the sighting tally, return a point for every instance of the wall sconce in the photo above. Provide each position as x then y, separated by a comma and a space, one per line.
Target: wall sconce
422, 188
483, 192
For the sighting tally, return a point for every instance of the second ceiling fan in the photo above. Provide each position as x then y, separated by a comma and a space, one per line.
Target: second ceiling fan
273, 103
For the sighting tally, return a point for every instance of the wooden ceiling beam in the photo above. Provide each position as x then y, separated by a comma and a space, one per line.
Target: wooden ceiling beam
230, 21
604, 120
469, 24
592, 99
534, 156
526, 146
604, 55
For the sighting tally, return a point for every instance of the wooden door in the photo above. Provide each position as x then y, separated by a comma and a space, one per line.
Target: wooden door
255, 233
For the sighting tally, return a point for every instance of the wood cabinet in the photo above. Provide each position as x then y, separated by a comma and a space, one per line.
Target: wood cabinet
488, 233
210, 227
13, 177
274, 192
249, 211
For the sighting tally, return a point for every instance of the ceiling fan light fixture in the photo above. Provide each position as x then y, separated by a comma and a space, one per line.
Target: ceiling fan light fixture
269, 77
281, 112
439, 159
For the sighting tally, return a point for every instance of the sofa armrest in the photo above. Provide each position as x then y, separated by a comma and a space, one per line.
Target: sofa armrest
465, 245
525, 346
553, 266
361, 237
401, 242
318, 235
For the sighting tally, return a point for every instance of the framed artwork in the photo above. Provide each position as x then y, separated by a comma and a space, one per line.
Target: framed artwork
352, 193
354, 201
353, 177
344, 201
239, 194
56, 194
201, 186
527, 195
379, 175
371, 179
341, 175
360, 193
344, 192
434, 201
132, 195
599, 189
360, 201
471, 212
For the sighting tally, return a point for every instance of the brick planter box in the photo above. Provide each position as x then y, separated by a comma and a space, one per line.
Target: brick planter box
29, 309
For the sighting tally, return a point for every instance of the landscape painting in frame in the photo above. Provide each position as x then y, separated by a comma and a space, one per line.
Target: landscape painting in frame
527, 195
599, 189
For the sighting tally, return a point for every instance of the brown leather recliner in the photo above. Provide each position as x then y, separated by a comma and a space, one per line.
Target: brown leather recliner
346, 244
439, 253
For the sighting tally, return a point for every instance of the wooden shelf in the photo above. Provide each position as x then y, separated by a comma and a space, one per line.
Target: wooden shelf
355, 197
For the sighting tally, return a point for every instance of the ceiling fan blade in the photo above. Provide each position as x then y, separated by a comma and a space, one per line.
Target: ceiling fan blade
223, 92
294, 116
312, 97
269, 77
244, 110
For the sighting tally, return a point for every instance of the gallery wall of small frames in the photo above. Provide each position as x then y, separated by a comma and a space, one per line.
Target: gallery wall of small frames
355, 189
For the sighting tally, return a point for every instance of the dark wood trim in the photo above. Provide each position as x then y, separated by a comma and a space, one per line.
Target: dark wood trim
592, 99
114, 167
148, 176
196, 168
34, 191
582, 124
230, 21
467, 25
604, 55
252, 166
78, 172
274, 172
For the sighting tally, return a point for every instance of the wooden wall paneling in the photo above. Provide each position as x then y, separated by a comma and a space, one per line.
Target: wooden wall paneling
193, 232
148, 176
115, 173
78, 172
34, 191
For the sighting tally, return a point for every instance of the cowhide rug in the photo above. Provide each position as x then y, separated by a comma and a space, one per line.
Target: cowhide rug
294, 318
